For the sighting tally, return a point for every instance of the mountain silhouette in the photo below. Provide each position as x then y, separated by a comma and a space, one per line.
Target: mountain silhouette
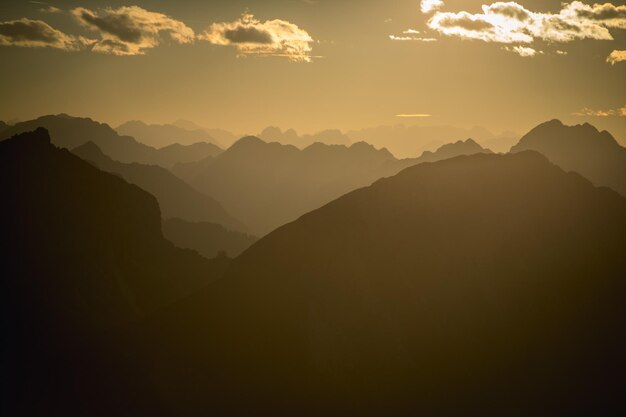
159, 136
71, 132
479, 285
291, 137
268, 184
3, 125
582, 148
176, 198
83, 260
221, 136
208, 239
411, 141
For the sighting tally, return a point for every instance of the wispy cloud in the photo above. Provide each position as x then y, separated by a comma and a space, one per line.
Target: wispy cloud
413, 115
523, 51
131, 30
251, 37
35, 34
601, 113
616, 56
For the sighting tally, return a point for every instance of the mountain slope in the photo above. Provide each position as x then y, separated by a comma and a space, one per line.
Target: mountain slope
83, 260
582, 148
176, 198
291, 137
160, 136
208, 239
70, 132
268, 184
481, 285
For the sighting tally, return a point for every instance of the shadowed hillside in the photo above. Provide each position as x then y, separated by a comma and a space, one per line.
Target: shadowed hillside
481, 285
71, 132
176, 198
595, 155
83, 258
208, 239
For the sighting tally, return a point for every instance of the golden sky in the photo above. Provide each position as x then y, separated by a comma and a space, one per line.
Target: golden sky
316, 64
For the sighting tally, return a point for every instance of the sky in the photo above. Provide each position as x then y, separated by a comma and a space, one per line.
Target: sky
317, 64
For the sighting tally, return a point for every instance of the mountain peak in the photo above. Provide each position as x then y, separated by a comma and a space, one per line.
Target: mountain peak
39, 136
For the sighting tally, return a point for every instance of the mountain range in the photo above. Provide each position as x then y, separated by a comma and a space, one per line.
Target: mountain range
71, 132
159, 136
291, 137
269, 184
411, 141
479, 285
176, 198
582, 148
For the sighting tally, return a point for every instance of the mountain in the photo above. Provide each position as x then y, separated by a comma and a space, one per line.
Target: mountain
208, 239
268, 184
83, 260
411, 141
451, 150
582, 148
291, 137
160, 136
176, 198
71, 132
223, 137
479, 285
3, 125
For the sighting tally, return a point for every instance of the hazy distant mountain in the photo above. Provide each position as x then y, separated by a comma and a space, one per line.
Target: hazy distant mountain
71, 132
268, 184
291, 137
223, 137
451, 150
208, 239
411, 141
3, 125
479, 285
581, 148
176, 198
160, 136
83, 257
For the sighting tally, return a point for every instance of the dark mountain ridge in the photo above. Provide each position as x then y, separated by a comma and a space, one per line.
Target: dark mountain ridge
494, 280
83, 261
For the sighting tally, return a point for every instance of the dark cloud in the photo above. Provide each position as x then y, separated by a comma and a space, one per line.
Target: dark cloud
35, 34
242, 34
119, 25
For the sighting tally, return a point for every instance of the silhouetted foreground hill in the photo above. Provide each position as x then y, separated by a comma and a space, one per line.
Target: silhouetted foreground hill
71, 132
83, 257
176, 198
210, 240
581, 148
268, 184
481, 285
160, 136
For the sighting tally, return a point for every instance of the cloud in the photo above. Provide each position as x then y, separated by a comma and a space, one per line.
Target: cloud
410, 35
250, 36
511, 23
131, 30
523, 51
35, 34
50, 9
429, 6
601, 113
616, 56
